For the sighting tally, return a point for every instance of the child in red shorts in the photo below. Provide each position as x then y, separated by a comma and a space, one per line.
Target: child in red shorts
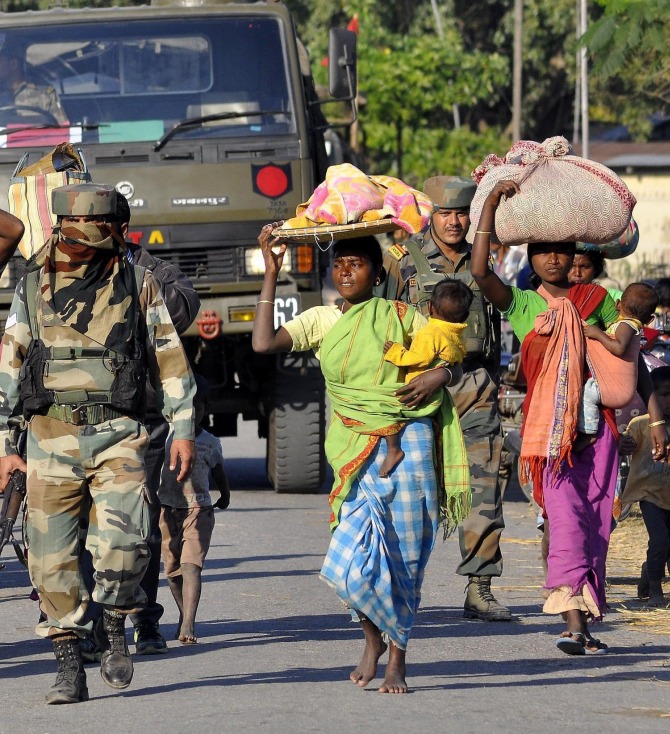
187, 518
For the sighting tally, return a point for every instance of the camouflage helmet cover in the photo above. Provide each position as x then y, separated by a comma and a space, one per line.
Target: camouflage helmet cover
84, 200
450, 192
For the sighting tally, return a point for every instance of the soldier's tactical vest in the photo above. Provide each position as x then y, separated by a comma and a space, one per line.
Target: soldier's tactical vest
83, 374
478, 335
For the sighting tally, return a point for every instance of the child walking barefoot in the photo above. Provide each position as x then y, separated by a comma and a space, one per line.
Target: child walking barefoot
187, 519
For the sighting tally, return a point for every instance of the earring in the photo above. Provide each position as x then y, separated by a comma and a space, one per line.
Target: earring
377, 281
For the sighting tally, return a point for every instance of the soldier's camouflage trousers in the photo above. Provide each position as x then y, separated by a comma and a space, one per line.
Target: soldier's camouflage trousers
72, 468
476, 400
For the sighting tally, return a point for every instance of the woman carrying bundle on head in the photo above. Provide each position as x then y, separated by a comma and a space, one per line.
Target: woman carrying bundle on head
383, 528
575, 488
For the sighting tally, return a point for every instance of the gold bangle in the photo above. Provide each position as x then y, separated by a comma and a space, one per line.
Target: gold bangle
656, 423
272, 303
481, 231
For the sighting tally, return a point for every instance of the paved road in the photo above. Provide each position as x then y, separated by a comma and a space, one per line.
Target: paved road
276, 646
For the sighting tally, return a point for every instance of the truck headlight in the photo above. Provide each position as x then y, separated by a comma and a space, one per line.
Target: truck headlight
255, 265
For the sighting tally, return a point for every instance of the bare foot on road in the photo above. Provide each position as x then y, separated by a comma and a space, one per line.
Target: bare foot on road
186, 634
394, 679
375, 647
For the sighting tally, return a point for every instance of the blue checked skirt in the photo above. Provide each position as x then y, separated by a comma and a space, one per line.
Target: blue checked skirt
379, 551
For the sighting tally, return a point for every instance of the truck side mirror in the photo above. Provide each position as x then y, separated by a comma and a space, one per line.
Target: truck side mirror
342, 64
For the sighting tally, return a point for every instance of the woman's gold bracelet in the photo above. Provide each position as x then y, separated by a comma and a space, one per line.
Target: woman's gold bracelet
656, 423
481, 231
272, 303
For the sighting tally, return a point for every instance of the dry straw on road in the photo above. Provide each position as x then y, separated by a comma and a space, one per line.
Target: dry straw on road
627, 552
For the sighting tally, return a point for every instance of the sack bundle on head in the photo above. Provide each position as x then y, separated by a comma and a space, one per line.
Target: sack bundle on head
30, 190
563, 198
622, 246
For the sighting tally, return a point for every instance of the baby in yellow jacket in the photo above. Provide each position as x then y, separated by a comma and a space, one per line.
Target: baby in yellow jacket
441, 340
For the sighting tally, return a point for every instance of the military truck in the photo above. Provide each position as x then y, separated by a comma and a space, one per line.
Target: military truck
205, 116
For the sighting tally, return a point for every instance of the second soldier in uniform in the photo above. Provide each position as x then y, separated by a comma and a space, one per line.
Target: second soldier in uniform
82, 334
447, 252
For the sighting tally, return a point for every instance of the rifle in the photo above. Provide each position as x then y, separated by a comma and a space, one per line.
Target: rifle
14, 494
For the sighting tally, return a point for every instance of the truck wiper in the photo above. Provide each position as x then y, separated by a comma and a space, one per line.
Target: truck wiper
46, 126
198, 121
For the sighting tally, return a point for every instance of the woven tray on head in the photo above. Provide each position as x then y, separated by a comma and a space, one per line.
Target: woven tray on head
328, 233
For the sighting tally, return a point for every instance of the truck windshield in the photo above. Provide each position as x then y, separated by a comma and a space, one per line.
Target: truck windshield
134, 81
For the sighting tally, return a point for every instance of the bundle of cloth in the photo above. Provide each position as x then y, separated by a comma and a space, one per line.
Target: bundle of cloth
618, 248
563, 198
349, 196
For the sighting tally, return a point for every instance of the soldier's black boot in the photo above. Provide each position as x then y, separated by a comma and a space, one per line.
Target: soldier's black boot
116, 665
70, 685
480, 602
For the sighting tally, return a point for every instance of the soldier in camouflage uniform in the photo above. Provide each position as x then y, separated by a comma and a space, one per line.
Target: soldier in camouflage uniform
475, 395
28, 99
83, 331
182, 303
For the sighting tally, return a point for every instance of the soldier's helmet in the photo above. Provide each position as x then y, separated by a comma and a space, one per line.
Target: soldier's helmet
450, 192
84, 200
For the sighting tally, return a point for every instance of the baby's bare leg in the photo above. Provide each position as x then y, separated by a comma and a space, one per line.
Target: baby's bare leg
394, 455
191, 589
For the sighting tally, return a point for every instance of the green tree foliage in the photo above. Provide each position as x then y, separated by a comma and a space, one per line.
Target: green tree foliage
410, 79
631, 62
549, 52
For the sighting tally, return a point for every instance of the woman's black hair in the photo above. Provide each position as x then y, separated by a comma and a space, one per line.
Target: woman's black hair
533, 247
597, 260
366, 246
663, 290
660, 376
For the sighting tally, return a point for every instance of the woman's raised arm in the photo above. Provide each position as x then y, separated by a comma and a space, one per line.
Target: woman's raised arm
11, 231
499, 294
265, 339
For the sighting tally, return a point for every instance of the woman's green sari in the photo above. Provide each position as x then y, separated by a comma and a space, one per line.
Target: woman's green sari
361, 386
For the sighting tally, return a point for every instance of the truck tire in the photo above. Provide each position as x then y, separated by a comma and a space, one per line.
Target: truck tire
296, 427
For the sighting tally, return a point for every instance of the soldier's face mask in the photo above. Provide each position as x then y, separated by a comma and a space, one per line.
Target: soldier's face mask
87, 231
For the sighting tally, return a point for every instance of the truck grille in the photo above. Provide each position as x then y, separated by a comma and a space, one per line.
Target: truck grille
204, 264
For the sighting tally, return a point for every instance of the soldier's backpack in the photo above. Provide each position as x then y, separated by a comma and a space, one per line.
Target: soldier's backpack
30, 190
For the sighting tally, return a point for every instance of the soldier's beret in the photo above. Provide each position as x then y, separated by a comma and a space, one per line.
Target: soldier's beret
450, 192
84, 200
